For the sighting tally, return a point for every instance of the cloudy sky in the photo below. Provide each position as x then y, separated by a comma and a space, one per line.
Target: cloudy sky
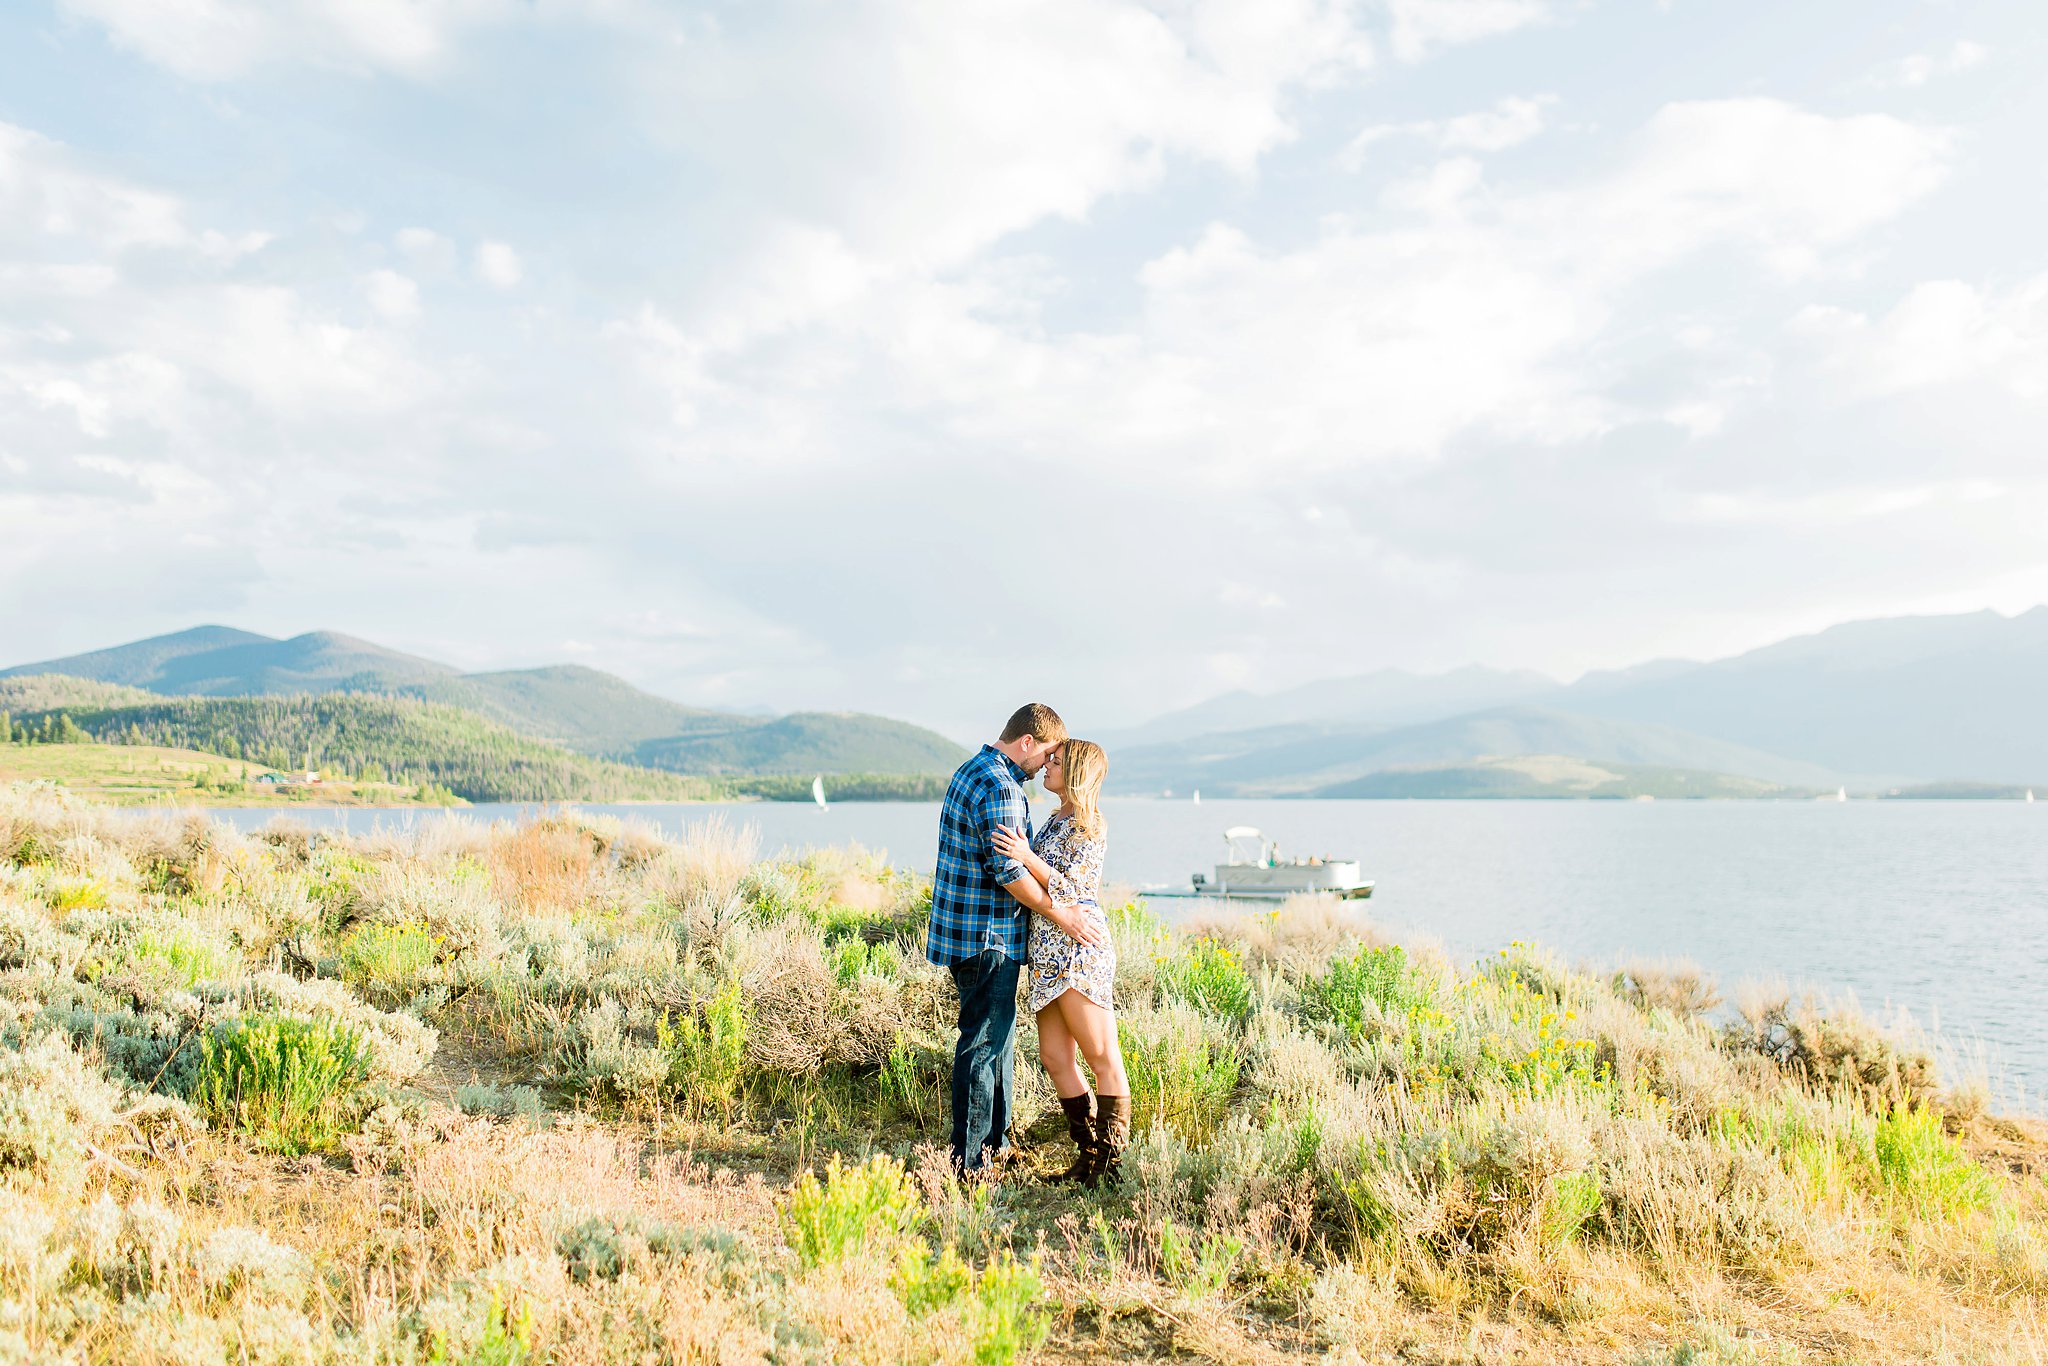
916, 357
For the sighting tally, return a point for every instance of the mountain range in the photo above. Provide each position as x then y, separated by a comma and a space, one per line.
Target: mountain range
1949, 703
582, 709
1873, 705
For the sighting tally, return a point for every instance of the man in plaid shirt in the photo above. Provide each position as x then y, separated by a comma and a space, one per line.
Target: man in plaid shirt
981, 904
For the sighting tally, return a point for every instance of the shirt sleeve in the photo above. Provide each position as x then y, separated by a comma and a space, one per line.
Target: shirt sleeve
1081, 879
1001, 804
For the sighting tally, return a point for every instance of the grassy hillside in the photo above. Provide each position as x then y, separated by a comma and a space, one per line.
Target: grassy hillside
574, 1092
410, 742
1550, 775
583, 709
126, 775
806, 742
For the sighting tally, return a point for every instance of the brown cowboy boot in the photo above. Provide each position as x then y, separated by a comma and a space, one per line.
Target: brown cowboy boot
1112, 1136
1080, 1113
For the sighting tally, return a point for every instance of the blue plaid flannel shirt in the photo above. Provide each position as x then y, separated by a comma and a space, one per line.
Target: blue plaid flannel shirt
970, 910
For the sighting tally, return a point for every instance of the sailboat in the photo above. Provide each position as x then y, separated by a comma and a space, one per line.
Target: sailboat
1198, 796
2030, 794
1841, 794
818, 792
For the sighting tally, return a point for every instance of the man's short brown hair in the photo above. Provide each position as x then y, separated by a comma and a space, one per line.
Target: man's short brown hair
1038, 721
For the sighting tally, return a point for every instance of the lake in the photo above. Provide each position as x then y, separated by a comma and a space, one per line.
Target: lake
1937, 907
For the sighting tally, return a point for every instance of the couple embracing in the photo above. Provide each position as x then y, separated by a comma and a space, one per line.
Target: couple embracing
1009, 903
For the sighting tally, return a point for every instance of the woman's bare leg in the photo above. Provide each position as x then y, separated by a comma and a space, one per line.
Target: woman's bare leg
1094, 1030
1056, 1051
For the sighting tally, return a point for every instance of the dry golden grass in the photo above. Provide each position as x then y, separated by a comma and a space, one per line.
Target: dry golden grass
1518, 1162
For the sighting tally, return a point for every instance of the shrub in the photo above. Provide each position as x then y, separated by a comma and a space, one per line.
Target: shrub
467, 1328
502, 1102
1571, 1201
389, 963
1183, 1073
1677, 985
1356, 993
1135, 919
73, 894
869, 1207
592, 1250
706, 1058
916, 1081
853, 959
52, 1106
1008, 1321
925, 1282
1926, 1167
1825, 1047
1198, 1267
1002, 1303
1208, 975
282, 1080
180, 953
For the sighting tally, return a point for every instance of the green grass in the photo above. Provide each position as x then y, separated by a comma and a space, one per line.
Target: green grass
1181, 1077
182, 954
1207, 974
869, 1207
282, 1081
389, 963
1356, 993
415, 744
707, 1053
122, 774
1924, 1166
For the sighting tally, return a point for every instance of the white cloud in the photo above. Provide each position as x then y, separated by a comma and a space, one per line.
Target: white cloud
993, 118
425, 247
1459, 309
876, 265
215, 40
102, 394
1840, 506
1419, 27
1511, 122
392, 295
1922, 67
497, 265
1942, 332
48, 201
1791, 183
147, 337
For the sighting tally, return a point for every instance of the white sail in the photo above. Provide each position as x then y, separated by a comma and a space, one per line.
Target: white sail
2030, 794
1841, 794
818, 791
1198, 796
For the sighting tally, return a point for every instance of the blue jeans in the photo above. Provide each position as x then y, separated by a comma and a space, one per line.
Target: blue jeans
984, 1058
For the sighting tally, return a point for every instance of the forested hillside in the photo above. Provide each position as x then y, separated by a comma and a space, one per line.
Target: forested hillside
46, 692
584, 709
381, 738
807, 742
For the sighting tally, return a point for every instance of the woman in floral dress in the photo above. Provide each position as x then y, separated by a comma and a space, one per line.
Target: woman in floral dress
1069, 986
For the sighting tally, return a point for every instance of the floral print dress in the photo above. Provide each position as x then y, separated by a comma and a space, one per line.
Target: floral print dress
1057, 961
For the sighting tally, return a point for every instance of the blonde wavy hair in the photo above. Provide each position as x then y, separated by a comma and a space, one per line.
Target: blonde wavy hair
1085, 766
